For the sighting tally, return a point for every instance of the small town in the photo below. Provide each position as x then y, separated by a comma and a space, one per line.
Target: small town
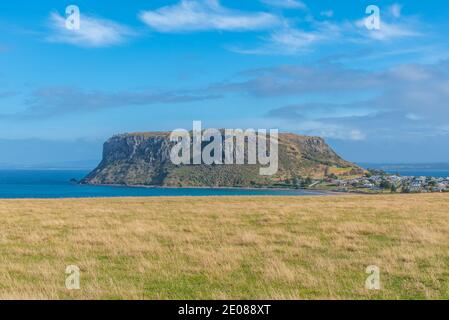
378, 181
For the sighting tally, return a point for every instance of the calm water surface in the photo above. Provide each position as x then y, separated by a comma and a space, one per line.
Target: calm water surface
56, 184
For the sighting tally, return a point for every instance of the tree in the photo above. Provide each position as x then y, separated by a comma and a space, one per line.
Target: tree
296, 182
307, 182
432, 183
385, 184
393, 188
333, 176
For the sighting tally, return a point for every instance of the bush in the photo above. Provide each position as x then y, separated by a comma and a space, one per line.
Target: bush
385, 184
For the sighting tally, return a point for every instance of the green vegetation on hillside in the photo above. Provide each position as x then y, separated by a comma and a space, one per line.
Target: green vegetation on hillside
143, 159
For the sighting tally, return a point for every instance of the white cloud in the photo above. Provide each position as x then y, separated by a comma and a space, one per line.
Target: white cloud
193, 15
356, 135
389, 31
327, 130
93, 32
293, 40
282, 42
412, 116
290, 41
393, 26
59, 100
408, 100
287, 4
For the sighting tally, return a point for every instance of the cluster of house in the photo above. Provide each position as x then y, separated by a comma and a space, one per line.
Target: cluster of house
395, 183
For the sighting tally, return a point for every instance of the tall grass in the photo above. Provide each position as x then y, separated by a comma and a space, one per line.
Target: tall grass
226, 247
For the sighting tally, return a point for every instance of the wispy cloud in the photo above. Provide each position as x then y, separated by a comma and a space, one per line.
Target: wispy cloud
193, 15
290, 39
284, 41
389, 30
60, 100
287, 4
284, 36
289, 80
406, 100
93, 32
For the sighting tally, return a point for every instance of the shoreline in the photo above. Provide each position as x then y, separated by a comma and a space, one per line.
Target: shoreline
211, 188
311, 191
305, 191
273, 192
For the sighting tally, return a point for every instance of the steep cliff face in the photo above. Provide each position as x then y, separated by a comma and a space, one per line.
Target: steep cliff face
144, 159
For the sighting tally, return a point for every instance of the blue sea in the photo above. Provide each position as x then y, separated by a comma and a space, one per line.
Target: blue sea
427, 170
443, 173
56, 184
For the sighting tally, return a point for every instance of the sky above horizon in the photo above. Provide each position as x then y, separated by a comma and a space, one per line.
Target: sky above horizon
308, 67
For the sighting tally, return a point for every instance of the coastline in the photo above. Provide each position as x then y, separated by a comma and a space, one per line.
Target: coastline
66, 184
212, 188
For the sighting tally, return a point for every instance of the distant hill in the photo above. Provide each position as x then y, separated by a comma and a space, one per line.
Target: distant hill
144, 159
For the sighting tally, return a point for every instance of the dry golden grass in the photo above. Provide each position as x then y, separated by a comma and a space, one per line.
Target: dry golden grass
233, 247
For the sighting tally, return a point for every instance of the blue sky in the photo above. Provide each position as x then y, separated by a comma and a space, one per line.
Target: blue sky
309, 67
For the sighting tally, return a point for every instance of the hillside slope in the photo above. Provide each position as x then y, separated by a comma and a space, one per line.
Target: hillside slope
144, 159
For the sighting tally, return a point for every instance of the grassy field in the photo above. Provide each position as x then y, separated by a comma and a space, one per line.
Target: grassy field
217, 248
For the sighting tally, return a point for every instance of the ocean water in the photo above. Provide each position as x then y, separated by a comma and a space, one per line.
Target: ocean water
417, 170
16, 184
443, 173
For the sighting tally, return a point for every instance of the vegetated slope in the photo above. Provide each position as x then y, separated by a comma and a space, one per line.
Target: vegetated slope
144, 159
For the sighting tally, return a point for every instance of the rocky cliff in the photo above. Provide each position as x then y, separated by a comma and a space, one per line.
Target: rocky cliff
144, 159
